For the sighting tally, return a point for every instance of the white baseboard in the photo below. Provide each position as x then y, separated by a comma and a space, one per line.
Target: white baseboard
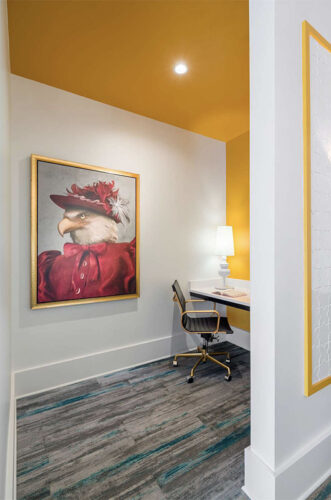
49, 376
68, 371
259, 477
10, 486
295, 479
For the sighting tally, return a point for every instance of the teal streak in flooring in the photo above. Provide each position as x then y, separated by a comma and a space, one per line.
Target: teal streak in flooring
206, 454
32, 467
230, 421
106, 473
154, 377
70, 401
111, 434
37, 495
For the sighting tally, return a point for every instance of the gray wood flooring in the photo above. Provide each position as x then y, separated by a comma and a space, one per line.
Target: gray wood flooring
142, 433
139, 434
323, 492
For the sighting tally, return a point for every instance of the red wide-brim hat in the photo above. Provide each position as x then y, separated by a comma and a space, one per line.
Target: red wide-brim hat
101, 197
69, 201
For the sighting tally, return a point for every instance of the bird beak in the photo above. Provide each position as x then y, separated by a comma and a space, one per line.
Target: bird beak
67, 226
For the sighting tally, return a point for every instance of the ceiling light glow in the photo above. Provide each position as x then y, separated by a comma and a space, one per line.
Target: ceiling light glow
180, 68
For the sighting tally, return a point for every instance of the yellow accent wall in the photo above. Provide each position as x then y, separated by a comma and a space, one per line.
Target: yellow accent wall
237, 216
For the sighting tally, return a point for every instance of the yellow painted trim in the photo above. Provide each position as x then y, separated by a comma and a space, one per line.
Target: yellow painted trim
34, 233
307, 32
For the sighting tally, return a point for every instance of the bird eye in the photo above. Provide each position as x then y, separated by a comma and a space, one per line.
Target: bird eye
82, 216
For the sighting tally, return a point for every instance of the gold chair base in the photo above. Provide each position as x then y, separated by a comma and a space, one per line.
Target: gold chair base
203, 356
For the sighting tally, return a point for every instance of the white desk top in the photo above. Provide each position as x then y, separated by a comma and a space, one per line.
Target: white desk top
210, 292
207, 288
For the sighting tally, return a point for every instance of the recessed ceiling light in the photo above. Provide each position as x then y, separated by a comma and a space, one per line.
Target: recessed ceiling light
180, 68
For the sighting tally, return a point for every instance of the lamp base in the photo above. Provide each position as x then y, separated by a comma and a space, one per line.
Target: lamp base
224, 271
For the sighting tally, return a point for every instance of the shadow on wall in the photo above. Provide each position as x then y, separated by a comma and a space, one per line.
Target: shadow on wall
87, 312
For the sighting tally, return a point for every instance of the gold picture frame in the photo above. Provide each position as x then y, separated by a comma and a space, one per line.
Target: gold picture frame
307, 32
37, 304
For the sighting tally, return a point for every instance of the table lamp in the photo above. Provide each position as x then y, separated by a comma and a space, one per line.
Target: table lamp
224, 248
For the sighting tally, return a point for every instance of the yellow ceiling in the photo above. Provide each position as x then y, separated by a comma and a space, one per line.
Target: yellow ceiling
122, 53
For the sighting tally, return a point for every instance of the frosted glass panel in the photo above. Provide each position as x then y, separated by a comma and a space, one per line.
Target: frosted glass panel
320, 88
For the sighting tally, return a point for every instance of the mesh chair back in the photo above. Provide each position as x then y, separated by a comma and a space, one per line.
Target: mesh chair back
178, 291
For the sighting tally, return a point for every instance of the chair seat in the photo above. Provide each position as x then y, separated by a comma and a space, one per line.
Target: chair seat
206, 324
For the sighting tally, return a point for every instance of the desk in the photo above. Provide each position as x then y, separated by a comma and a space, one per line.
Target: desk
205, 293
239, 320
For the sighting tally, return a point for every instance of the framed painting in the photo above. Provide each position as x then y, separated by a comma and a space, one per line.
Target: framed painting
84, 233
316, 71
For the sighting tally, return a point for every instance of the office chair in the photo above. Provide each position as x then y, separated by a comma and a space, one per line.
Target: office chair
207, 327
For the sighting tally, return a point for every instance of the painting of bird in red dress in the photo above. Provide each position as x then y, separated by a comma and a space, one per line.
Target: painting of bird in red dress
84, 234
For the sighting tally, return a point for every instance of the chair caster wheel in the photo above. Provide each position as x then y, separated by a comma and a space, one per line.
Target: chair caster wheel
175, 363
228, 378
228, 360
190, 380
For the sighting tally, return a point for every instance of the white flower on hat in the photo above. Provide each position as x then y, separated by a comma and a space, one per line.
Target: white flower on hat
119, 208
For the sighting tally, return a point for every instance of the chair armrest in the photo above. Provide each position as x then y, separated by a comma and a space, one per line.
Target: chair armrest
203, 311
212, 311
201, 300
195, 300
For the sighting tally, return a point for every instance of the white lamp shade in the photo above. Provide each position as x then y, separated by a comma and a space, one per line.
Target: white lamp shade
224, 241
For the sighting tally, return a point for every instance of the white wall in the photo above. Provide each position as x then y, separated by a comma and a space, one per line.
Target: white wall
291, 434
4, 245
182, 201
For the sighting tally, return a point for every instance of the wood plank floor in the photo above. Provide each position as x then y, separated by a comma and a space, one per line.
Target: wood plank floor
323, 492
142, 433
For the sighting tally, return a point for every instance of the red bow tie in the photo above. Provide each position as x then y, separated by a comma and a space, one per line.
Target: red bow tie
71, 249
